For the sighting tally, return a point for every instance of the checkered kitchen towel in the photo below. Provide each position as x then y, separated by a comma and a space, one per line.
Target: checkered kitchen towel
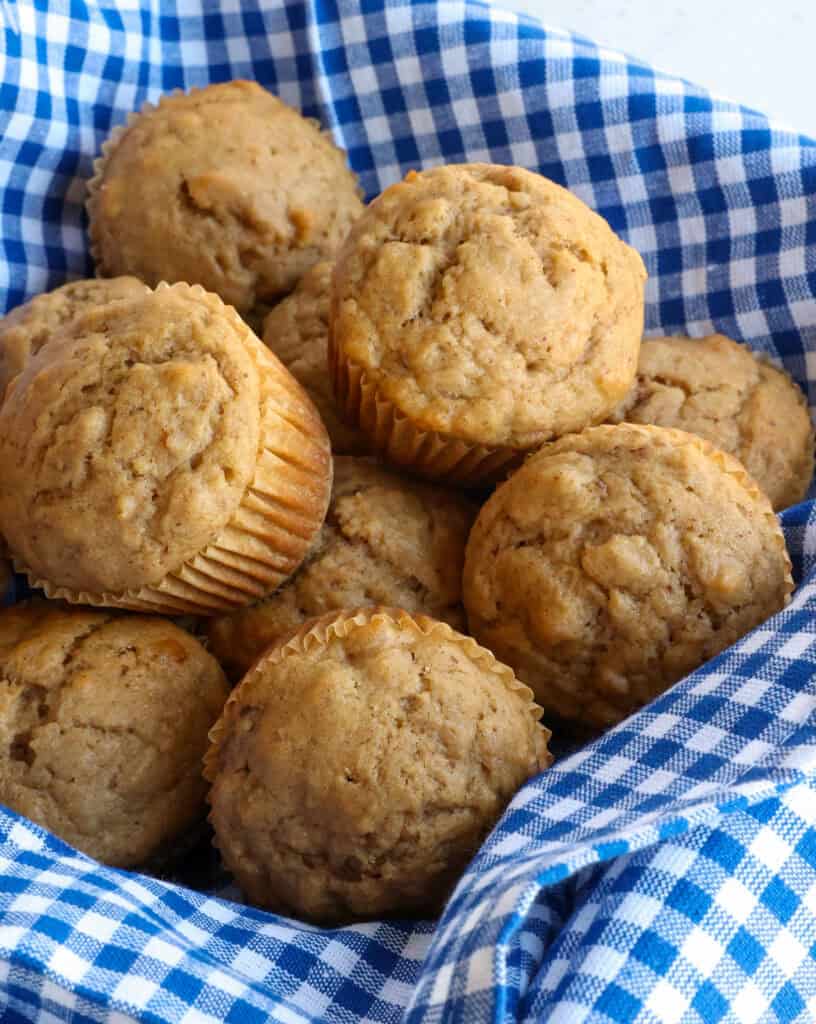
666, 872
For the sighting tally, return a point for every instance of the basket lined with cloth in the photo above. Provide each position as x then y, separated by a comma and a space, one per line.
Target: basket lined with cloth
666, 871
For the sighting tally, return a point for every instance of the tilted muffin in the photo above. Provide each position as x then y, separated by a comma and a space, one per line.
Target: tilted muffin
27, 328
745, 406
155, 455
386, 540
297, 331
226, 187
616, 561
93, 745
358, 767
477, 311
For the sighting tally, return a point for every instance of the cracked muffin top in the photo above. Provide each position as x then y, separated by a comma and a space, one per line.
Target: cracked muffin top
226, 187
92, 745
127, 443
27, 328
358, 767
386, 540
488, 304
723, 392
617, 560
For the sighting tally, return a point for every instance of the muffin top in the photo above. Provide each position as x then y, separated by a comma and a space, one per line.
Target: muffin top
386, 540
26, 329
617, 560
423, 737
127, 443
720, 390
489, 304
225, 186
92, 745
297, 331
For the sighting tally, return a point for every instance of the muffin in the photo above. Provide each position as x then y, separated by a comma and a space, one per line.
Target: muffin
26, 329
386, 540
226, 187
720, 390
297, 331
358, 767
92, 744
155, 455
616, 561
477, 311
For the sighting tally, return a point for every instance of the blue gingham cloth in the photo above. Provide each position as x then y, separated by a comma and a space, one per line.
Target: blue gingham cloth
666, 872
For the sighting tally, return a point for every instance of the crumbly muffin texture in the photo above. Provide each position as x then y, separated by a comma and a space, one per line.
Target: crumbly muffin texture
488, 304
386, 540
297, 331
27, 328
356, 770
226, 187
616, 561
93, 744
742, 404
128, 442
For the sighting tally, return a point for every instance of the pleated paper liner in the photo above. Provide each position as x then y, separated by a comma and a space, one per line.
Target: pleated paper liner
278, 517
429, 453
320, 632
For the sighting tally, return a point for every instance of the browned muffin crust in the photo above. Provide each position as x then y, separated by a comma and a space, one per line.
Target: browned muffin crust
358, 767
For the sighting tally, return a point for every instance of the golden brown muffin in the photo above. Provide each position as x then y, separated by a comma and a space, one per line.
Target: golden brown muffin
226, 187
358, 767
155, 455
477, 311
616, 561
297, 331
103, 725
386, 540
720, 390
27, 328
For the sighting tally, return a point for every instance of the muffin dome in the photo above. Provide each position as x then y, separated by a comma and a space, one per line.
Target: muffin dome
741, 404
92, 744
477, 311
617, 560
226, 187
357, 768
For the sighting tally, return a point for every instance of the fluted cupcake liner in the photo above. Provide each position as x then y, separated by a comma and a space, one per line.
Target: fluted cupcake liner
279, 515
426, 452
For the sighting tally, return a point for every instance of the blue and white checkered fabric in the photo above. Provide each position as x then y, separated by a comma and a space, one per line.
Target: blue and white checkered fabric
665, 873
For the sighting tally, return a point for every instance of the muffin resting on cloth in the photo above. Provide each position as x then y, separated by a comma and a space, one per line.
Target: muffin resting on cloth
358, 767
386, 540
155, 455
27, 328
477, 311
618, 560
226, 187
297, 331
745, 406
103, 725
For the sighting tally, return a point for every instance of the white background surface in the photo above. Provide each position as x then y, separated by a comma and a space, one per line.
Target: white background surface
761, 53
